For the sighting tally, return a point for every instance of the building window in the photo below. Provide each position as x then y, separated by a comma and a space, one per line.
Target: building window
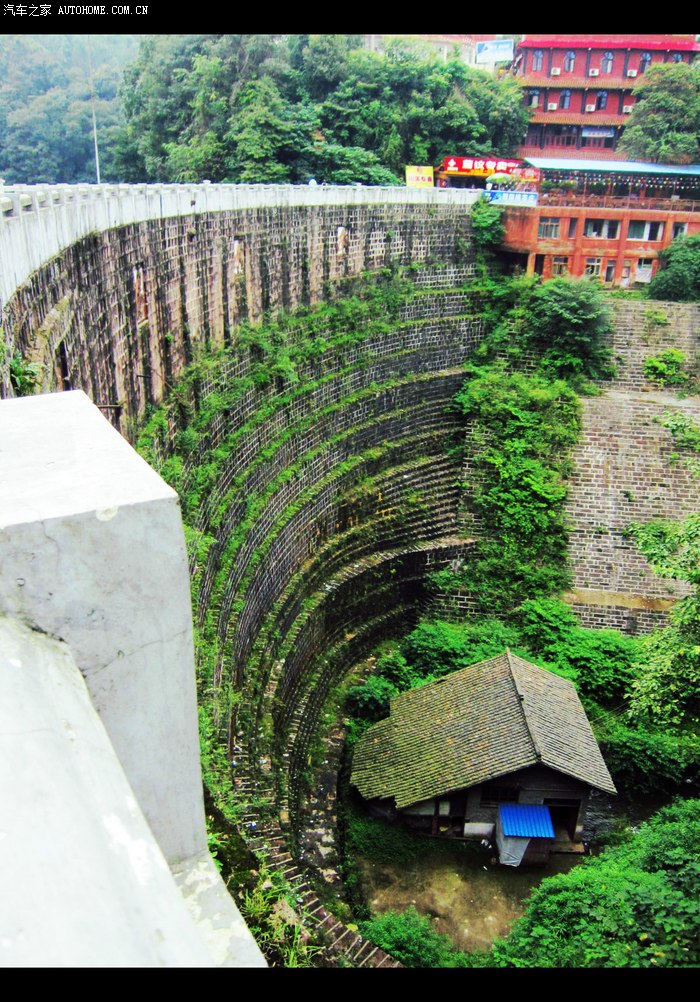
643, 269
560, 265
532, 99
679, 230
641, 229
570, 61
644, 61
606, 229
601, 99
677, 57
491, 793
610, 272
573, 221
606, 63
537, 59
565, 99
549, 228
593, 267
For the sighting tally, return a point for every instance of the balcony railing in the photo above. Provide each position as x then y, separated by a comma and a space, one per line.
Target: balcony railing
574, 199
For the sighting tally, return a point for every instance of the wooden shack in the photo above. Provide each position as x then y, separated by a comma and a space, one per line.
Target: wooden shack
503, 731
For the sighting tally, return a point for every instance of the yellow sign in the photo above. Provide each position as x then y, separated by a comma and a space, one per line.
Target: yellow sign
419, 177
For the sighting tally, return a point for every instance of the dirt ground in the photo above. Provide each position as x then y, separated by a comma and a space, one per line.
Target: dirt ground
474, 900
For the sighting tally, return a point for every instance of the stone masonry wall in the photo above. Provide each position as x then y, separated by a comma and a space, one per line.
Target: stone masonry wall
121, 311
628, 469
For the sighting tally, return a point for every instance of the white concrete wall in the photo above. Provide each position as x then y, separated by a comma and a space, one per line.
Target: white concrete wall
38, 221
92, 553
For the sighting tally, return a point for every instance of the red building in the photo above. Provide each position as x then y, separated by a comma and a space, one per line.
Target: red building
602, 220
579, 88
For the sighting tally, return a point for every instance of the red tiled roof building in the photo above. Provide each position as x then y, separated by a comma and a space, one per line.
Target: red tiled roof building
579, 88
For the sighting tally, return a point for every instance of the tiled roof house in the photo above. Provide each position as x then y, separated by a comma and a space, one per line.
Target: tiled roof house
500, 731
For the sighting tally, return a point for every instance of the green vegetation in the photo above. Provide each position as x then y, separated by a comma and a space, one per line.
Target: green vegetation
667, 368
274, 917
665, 120
544, 342
686, 436
636, 905
411, 938
46, 108
23, 375
274, 108
678, 277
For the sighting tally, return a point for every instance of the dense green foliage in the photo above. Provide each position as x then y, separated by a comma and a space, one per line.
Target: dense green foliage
411, 938
665, 122
272, 108
568, 321
521, 428
544, 342
601, 663
637, 905
667, 368
46, 126
678, 278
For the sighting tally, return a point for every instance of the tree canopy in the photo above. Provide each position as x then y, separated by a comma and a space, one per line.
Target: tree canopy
664, 126
679, 275
272, 108
46, 105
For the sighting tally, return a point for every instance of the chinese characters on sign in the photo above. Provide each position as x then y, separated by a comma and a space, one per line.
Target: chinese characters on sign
512, 197
27, 9
419, 177
483, 167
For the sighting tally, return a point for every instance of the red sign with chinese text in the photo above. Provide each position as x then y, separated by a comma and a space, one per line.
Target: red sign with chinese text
484, 166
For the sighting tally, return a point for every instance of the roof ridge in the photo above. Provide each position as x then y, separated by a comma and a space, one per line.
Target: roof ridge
521, 703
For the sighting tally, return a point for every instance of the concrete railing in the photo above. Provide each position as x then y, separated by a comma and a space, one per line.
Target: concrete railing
39, 221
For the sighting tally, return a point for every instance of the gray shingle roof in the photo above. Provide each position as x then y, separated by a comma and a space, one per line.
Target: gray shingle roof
475, 725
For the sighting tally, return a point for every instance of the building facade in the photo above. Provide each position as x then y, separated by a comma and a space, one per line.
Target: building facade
601, 220
618, 246
579, 88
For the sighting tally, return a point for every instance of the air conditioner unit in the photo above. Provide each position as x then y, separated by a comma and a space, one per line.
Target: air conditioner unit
552, 106
556, 70
590, 107
631, 73
593, 73
627, 109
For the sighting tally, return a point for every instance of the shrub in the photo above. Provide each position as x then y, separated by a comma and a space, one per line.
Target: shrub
649, 761
569, 323
410, 938
600, 662
436, 649
371, 701
666, 368
678, 277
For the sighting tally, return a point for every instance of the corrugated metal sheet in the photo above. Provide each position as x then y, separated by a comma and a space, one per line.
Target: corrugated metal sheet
611, 166
526, 820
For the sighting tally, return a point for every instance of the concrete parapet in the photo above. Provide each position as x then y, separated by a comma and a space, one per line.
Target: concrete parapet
93, 556
39, 221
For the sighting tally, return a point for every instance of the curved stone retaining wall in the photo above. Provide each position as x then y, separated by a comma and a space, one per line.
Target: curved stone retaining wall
334, 491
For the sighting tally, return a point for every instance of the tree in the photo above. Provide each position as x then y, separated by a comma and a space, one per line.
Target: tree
569, 323
664, 126
679, 276
666, 690
46, 104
